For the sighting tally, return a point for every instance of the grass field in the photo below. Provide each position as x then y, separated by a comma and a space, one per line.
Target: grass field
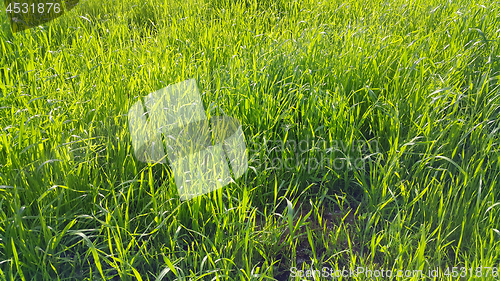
372, 129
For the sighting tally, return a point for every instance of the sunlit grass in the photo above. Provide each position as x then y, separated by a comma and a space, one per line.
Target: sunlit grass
416, 80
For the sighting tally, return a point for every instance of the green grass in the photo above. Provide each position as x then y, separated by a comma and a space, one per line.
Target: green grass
416, 80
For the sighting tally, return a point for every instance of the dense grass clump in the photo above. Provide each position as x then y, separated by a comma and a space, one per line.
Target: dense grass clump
372, 130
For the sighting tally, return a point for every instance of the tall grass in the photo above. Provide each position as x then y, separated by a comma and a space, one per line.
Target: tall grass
416, 80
